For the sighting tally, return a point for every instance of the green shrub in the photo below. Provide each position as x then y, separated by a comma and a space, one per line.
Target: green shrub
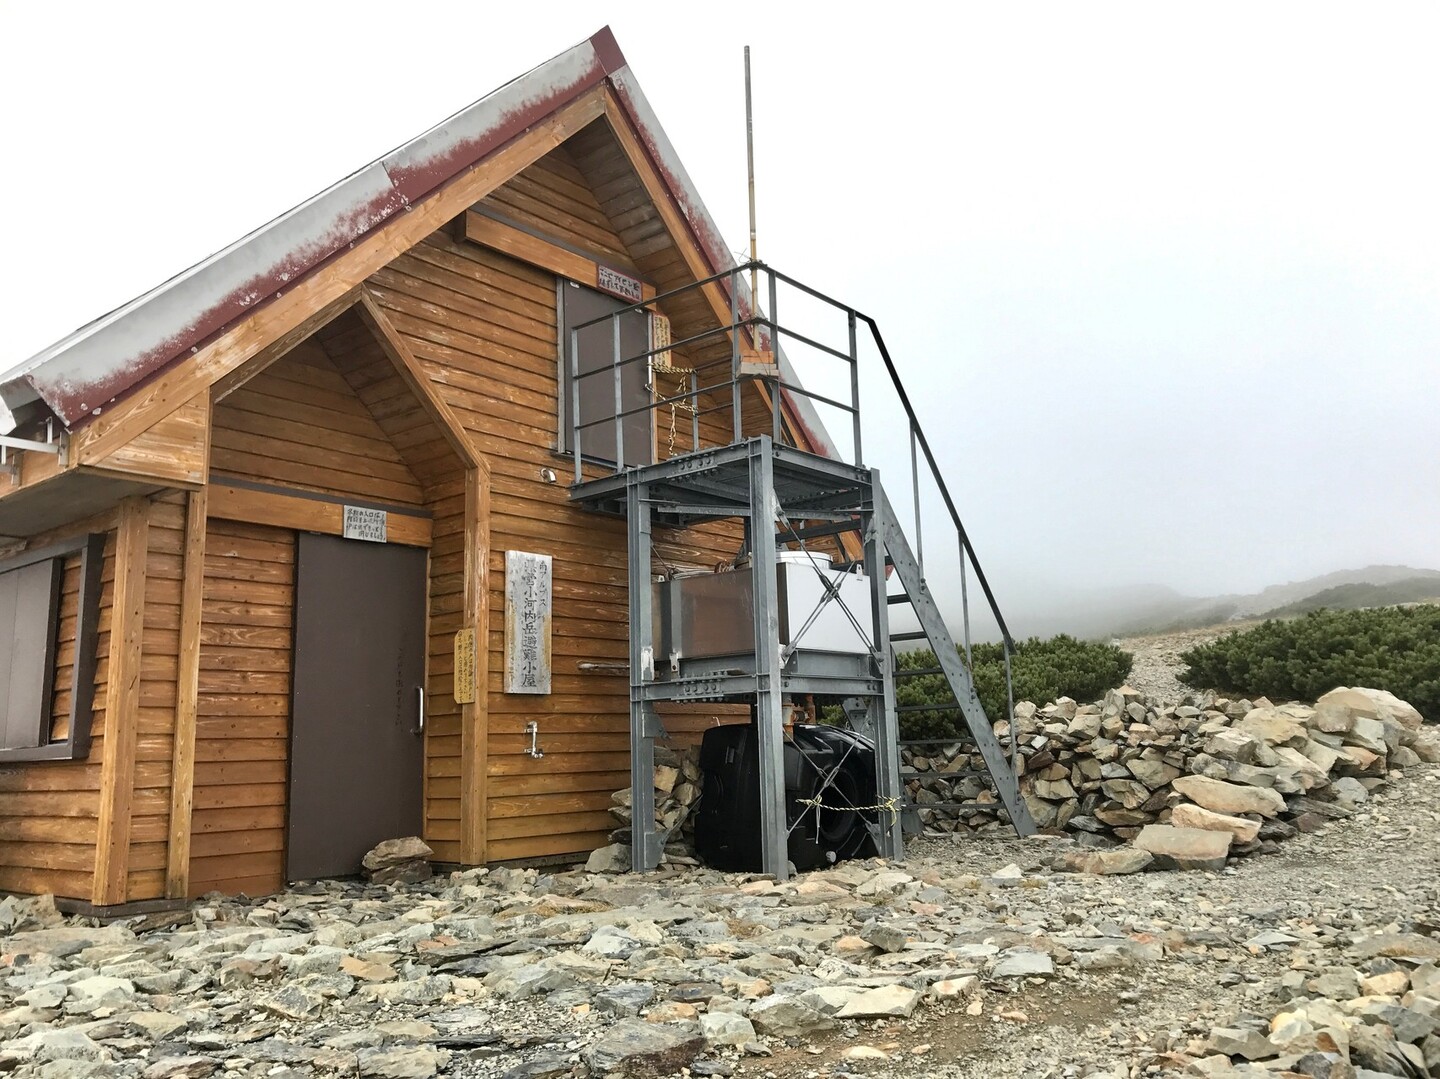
1041, 671
1394, 648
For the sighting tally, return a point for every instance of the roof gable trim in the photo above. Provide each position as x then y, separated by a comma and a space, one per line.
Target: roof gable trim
83, 373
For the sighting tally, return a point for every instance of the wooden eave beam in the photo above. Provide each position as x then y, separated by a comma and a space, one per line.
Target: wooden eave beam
528, 247
286, 312
278, 349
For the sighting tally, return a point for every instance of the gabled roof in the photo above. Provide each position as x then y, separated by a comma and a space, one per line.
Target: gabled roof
86, 372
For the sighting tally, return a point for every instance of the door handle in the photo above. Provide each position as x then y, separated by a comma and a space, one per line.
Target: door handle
420, 729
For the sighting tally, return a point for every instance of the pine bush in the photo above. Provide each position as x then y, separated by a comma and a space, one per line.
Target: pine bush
1041, 671
1394, 648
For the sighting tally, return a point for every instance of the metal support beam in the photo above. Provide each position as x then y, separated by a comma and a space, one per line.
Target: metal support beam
645, 844
882, 709
768, 711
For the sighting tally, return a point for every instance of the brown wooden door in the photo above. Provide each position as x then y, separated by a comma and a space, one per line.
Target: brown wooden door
356, 754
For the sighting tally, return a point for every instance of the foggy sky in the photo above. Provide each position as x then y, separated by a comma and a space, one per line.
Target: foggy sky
1164, 280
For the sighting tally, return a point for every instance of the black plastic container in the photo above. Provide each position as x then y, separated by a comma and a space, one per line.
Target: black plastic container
727, 823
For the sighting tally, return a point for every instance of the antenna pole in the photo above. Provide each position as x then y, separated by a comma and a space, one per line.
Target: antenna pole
750, 164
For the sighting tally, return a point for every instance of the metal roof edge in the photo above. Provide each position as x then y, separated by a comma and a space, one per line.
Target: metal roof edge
90, 368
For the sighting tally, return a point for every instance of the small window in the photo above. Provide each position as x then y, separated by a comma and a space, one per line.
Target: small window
32, 596
597, 382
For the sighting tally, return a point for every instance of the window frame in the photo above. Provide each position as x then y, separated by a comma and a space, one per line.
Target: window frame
76, 746
564, 440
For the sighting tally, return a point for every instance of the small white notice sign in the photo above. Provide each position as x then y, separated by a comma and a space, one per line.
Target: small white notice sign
365, 524
618, 284
527, 622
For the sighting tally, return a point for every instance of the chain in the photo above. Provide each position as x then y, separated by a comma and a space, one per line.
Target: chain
662, 368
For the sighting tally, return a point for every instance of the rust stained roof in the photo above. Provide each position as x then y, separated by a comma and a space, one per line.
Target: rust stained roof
82, 374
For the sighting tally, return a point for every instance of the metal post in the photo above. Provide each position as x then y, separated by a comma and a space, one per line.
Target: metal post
575, 397
775, 351
734, 357
855, 391
694, 411
887, 727
619, 397
750, 168
915, 493
1010, 707
774, 831
965, 603
644, 843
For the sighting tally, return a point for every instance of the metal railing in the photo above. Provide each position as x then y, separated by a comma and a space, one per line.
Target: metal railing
765, 334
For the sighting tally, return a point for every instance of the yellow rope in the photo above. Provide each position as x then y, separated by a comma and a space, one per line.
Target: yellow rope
889, 806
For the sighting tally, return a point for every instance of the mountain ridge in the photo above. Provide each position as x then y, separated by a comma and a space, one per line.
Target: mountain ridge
1138, 610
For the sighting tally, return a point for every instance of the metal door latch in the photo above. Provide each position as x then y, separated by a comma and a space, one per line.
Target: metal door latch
533, 730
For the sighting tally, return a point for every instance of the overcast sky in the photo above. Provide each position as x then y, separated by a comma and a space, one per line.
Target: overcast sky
1163, 279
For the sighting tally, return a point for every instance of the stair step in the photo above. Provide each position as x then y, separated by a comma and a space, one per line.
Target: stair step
910, 635
911, 773
951, 707
917, 672
899, 597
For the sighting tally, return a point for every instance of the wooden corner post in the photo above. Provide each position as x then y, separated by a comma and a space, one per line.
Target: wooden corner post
475, 716
122, 704
182, 778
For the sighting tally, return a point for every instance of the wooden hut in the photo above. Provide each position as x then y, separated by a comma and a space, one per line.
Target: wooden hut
254, 593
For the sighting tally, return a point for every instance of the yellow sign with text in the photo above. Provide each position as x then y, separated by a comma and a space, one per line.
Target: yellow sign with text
465, 666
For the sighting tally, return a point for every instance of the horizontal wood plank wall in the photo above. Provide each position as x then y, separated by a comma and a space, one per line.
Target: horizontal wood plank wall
420, 443
174, 449
154, 749
299, 424
49, 809
242, 722
484, 326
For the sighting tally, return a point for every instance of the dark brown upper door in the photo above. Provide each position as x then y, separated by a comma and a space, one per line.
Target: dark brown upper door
597, 392
356, 755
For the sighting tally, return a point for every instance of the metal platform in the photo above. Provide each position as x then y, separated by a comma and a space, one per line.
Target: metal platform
713, 484
786, 498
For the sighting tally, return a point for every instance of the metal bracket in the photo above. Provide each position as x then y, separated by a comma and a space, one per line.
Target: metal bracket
533, 730
653, 728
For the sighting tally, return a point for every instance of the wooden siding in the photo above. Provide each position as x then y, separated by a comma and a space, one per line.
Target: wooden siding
242, 725
174, 449
49, 811
484, 326
301, 425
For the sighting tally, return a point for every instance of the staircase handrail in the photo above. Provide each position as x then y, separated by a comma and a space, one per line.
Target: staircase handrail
918, 432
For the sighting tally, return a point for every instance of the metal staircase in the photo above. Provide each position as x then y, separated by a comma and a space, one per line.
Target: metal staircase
998, 765
802, 513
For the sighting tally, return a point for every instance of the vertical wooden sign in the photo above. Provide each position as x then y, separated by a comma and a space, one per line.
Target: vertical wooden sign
527, 622
465, 666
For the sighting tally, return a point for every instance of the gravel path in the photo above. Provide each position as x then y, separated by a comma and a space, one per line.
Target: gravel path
1157, 659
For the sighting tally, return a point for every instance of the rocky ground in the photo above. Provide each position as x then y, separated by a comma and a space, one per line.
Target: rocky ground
1319, 957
